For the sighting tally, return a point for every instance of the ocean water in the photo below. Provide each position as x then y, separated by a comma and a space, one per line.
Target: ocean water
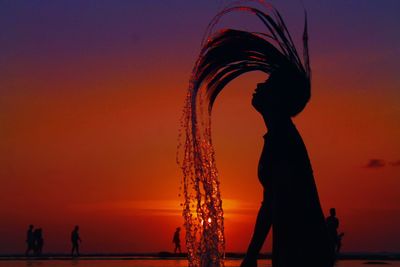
162, 263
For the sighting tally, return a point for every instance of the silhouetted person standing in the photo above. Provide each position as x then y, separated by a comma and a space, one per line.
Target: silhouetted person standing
332, 223
30, 241
75, 239
177, 240
290, 203
38, 241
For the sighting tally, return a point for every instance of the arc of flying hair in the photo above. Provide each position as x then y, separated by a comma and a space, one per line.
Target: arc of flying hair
217, 66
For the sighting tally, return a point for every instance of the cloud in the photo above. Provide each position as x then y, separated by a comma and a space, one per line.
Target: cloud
375, 163
395, 163
380, 163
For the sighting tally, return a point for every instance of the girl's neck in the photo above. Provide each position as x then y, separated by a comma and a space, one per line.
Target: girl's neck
276, 123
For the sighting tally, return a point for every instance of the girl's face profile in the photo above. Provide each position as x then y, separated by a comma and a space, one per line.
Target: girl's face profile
264, 98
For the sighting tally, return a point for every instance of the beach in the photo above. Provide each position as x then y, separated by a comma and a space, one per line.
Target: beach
157, 262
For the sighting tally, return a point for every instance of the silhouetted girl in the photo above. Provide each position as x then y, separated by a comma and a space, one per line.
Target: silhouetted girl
290, 202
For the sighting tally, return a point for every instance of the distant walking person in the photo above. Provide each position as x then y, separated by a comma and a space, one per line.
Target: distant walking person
38, 241
75, 239
30, 241
332, 224
177, 240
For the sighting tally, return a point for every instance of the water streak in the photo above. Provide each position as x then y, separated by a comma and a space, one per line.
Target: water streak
202, 207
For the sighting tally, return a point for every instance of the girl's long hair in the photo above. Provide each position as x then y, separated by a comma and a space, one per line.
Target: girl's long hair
224, 56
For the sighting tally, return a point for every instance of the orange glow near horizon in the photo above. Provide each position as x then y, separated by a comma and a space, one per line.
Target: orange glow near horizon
117, 170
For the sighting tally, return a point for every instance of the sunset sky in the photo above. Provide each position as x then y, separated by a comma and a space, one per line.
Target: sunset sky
91, 93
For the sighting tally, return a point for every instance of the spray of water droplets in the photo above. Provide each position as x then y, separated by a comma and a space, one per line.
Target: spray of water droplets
202, 206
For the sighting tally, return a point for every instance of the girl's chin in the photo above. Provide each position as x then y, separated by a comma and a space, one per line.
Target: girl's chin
254, 103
